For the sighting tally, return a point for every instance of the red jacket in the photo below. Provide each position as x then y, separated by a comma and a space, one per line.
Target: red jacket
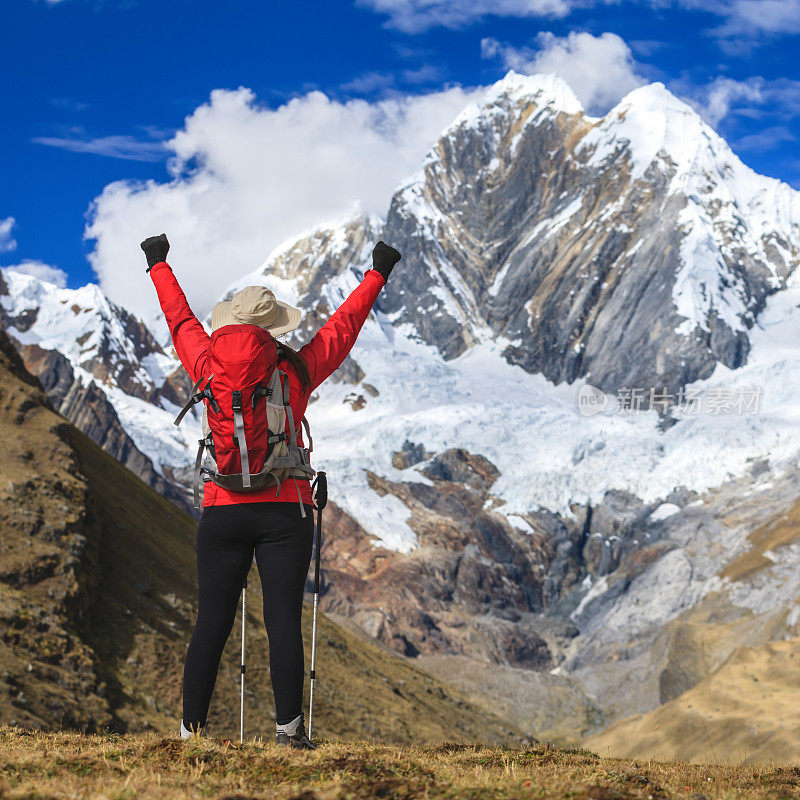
323, 355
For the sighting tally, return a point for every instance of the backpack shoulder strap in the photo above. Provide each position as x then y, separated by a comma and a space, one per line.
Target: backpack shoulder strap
239, 436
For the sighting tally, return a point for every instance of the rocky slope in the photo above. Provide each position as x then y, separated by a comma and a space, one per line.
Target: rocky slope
97, 603
48, 562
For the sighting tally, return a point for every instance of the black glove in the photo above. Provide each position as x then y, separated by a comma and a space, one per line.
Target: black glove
384, 258
155, 249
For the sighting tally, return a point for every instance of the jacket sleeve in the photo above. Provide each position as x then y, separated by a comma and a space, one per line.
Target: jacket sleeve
188, 335
330, 346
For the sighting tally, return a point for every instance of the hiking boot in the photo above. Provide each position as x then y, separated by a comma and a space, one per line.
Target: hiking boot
293, 734
189, 733
298, 740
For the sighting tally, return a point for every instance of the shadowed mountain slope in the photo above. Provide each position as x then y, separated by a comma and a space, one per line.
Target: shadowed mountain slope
97, 596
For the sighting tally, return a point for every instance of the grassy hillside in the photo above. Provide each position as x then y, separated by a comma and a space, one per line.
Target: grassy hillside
750, 707
68, 766
97, 594
48, 564
731, 677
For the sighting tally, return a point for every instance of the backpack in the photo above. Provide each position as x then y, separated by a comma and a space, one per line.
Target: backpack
248, 425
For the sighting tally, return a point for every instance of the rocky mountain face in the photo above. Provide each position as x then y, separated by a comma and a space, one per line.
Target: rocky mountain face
479, 522
635, 250
725, 670
88, 408
589, 619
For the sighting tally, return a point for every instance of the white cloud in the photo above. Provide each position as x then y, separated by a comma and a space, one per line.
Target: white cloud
769, 16
424, 74
765, 140
369, 82
124, 147
68, 104
749, 18
42, 271
717, 98
753, 97
742, 19
389, 83
386, 83
600, 69
245, 178
7, 241
415, 16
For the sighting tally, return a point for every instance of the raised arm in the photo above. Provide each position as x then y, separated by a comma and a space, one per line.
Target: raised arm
188, 335
335, 339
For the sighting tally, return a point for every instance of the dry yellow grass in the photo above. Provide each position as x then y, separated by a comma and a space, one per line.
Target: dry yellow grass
59, 765
748, 709
777, 533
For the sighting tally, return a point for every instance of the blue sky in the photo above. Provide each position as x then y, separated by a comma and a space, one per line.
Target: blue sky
93, 89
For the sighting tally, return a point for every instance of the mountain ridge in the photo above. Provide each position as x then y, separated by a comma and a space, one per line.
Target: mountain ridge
528, 272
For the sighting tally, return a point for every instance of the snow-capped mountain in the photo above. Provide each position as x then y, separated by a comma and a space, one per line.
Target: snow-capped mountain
103, 370
476, 510
635, 250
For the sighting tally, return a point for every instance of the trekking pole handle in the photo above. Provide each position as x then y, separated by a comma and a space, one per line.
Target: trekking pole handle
319, 490
321, 496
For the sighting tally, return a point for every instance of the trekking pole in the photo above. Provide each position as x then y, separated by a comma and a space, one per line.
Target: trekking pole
241, 705
320, 492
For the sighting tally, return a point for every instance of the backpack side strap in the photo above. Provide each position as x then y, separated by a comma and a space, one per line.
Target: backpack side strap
296, 457
202, 444
310, 444
196, 397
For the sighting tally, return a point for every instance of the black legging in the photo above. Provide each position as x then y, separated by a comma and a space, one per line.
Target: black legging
282, 541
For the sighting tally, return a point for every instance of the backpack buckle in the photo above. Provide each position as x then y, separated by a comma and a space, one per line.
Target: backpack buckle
259, 391
208, 395
236, 400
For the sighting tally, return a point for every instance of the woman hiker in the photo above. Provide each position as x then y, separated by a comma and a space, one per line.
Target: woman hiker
270, 522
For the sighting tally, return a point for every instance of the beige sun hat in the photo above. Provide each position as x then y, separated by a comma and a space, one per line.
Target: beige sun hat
256, 305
